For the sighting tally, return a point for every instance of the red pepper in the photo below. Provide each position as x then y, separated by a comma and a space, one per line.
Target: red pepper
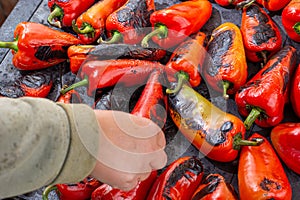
263, 97
188, 57
77, 54
64, 12
36, 84
285, 138
273, 5
214, 187
262, 37
129, 22
37, 46
70, 97
79, 191
106, 192
290, 18
226, 3
225, 70
217, 134
295, 91
91, 24
179, 180
260, 173
99, 74
174, 24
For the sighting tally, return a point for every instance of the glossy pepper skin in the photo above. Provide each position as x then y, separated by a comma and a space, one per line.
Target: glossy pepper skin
174, 24
214, 187
226, 3
77, 54
188, 57
285, 138
106, 192
91, 24
295, 91
178, 181
63, 12
70, 97
37, 46
129, 23
273, 5
290, 18
79, 191
261, 36
99, 74
225, 69
260, 173
263, 97
216, 134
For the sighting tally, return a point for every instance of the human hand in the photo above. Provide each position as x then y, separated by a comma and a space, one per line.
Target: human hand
130, 147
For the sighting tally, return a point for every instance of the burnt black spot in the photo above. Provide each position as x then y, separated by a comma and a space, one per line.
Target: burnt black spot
45, 53
227, 126
215, 137
266, 184
36, 80
181, 50
212, 184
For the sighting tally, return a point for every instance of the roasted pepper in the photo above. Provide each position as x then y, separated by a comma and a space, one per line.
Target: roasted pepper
290, 18
226, 3
79, 191
99, 74
79, 53
91, 23
188, 57
261, 36
179, 180
260, 173
174, 24
263, 97
64, 12
37, 46
129, 23
273, 5
216, 134
214, 187
295, 91
106, 192
285, 139
225, 69
71, 96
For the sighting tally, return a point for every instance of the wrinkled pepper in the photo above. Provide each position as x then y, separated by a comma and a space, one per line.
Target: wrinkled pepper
100, 74
215, 133
90, 25
225, 69
174, 24
290, 18
260, 173
285, 138
106, 192
80, 191
79, 53
263, 97
261, 36
64, 12
295, 92
37, 46
188, 58
179, 180
129, 24
214, 187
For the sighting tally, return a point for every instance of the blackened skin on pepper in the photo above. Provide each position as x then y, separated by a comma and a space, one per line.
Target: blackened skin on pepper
214, 182
46, 53
36, 80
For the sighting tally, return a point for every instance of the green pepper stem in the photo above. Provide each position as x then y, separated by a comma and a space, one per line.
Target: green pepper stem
182, 77
11, 45
238, 142
81, 83
226, 86
57, 12
116, 37
245, 4
160, 30
87, 28
47, 190
296, 28
253, 115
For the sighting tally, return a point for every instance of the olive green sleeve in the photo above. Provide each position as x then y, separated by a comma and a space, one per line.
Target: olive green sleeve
43, 143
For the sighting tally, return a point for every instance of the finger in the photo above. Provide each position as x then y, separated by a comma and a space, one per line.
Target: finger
159, 161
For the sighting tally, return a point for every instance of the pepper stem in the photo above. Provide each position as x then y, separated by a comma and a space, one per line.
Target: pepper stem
86, 28
47, 190
238, 141
264, 56
245, 4
116, 37
226, 86
253, 115
296, 28
81, 83
11, 45
182, 77
57, 12
160, 30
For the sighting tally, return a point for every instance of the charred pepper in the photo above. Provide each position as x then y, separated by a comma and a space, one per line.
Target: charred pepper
295, 91
290, 18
